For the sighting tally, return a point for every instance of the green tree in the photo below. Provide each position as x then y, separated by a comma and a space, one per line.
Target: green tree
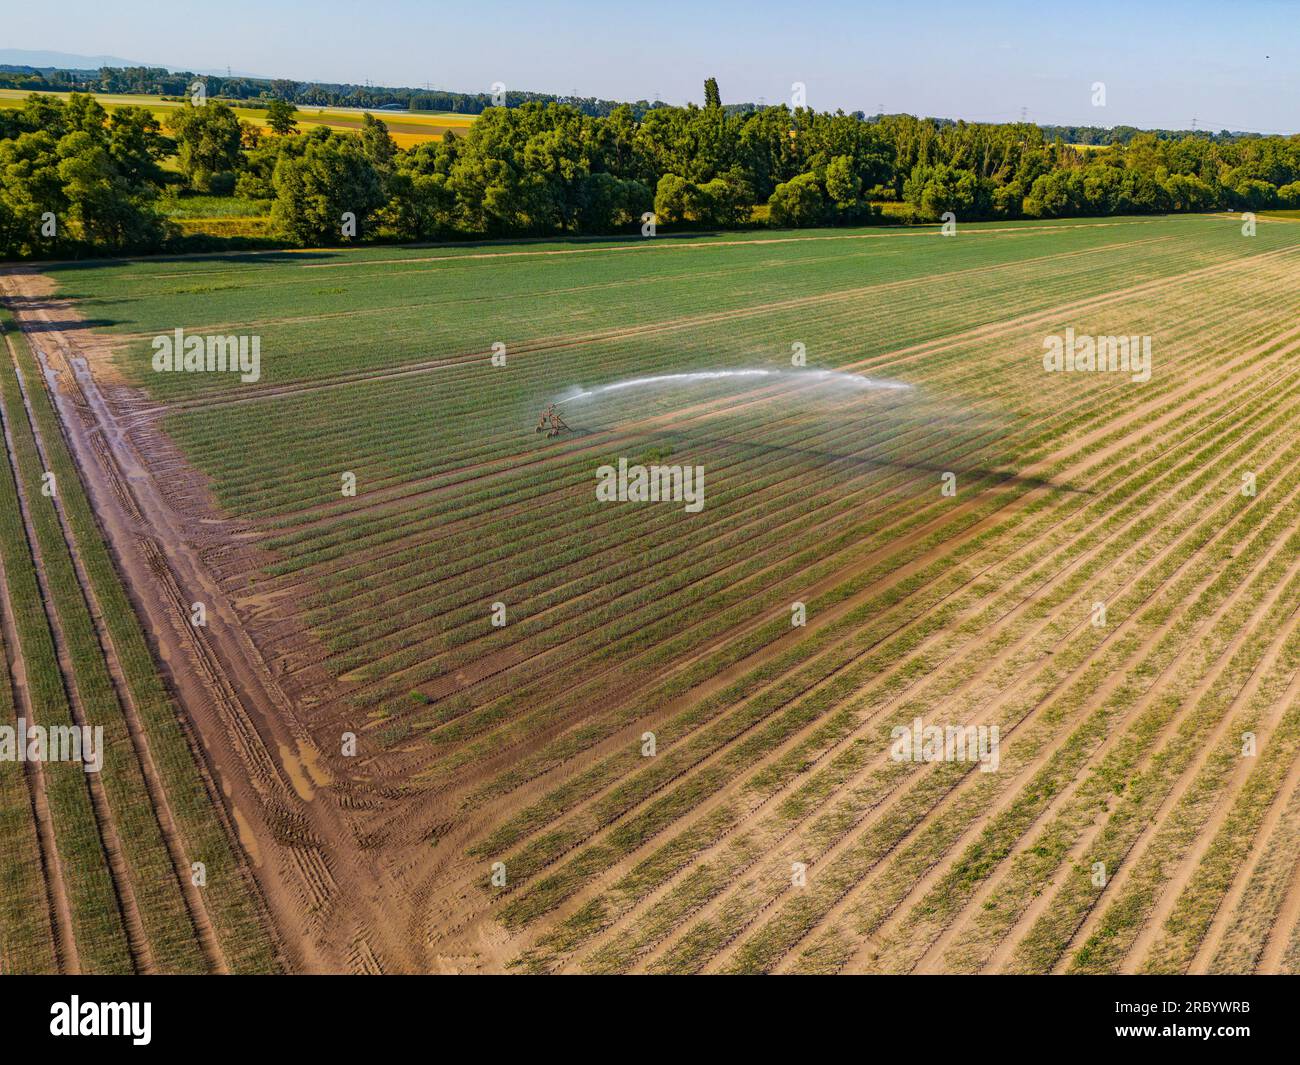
610, 203
30, 188
937, 189
317, 191
422, 203
712, 98
376, 142
678, 200
1251, 194
726, 201
257, 177
208, 141
136, 143
281, 117
79, 182
798, 202
109, 213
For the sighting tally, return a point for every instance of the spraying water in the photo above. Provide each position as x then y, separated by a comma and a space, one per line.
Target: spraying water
828, 377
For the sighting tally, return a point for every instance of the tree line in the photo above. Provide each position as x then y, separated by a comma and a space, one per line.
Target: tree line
551, 170
159, 81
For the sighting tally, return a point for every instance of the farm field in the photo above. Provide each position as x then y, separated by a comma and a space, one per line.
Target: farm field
649, 766
407, 128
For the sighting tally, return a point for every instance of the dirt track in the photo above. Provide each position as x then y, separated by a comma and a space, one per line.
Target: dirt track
333, 913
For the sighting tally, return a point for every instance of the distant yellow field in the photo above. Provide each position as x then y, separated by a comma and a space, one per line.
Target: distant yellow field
407, 127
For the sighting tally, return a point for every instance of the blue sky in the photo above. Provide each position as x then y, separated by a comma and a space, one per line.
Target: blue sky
1163, 63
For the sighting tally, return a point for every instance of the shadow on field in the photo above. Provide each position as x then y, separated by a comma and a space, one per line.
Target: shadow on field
31, 326
272, 258
860, 464
605, 238
36, 303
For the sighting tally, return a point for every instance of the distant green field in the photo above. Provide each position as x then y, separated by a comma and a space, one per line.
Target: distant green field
210, 207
